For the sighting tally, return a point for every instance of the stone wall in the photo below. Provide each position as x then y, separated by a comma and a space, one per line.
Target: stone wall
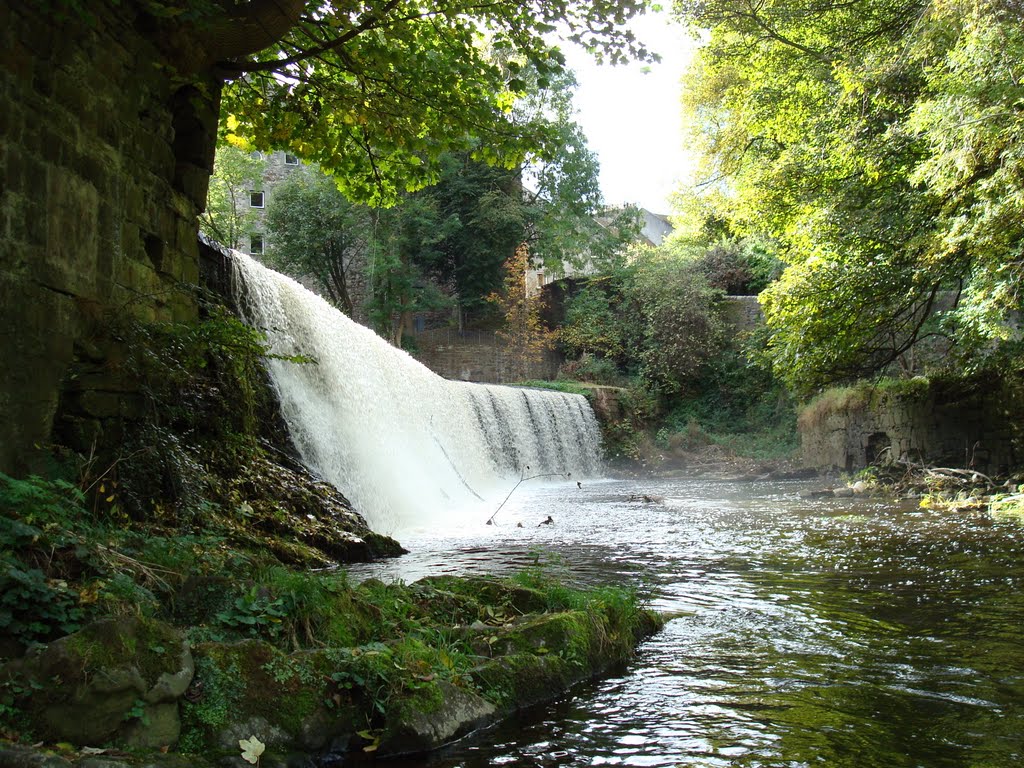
743, 314
105, 159
479, 356
475, 356
852, 428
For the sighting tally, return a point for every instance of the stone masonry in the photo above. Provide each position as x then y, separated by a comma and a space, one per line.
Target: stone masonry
980, 430
104, 158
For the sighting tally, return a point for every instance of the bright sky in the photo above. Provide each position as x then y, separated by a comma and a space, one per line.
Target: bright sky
632, 118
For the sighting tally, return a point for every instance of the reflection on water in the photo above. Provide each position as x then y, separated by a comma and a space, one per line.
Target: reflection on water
840, 633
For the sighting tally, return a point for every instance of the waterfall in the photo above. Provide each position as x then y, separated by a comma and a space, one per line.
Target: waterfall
408, 448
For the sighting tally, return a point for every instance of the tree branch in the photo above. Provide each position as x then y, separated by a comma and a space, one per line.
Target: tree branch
240, 30
368, 23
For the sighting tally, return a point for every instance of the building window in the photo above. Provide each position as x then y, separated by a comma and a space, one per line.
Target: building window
256, 199
256, 244
290, 159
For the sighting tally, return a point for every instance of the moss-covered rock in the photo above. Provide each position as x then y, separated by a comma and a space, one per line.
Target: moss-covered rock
496, 593
522, 680
116, 679
573, 635
413, 668
424, 722
21, 756
537, 658
251, 688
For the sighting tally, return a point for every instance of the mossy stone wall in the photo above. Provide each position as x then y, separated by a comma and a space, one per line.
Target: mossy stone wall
981, 428
105, 158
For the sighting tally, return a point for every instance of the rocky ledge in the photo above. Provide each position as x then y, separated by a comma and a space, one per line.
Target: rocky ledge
426, 664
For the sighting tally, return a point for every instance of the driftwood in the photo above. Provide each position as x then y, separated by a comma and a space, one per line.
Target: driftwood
523, 479
947, 475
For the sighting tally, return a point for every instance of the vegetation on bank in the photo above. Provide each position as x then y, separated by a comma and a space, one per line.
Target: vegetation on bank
877, 146
277, 647
862, 176
689, 377
951, 489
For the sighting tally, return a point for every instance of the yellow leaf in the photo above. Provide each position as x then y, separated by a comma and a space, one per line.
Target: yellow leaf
239, 141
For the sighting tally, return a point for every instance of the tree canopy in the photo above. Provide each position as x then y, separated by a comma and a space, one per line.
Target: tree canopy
445, 244
374, 90
314, 231
878, 143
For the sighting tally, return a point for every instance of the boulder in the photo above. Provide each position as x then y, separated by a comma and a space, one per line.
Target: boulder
18, 756
423, 723
114, 680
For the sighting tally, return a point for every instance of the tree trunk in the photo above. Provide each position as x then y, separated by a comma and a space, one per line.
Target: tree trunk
239, 31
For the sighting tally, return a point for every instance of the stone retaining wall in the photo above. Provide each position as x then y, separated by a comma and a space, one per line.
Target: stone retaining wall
854, 428
742, 313
479, 356
105, 158
476, 356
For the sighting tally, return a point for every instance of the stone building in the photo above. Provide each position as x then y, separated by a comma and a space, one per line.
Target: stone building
278, 167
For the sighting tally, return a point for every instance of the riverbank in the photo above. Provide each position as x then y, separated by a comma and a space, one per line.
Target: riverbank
171, 638
942, 488
312, 672
125, 642
951, 489
897, 625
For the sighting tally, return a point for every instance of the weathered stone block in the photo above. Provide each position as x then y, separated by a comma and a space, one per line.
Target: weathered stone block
83, 106
18, 756
956, 428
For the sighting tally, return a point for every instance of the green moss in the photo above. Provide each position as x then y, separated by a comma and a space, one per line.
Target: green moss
152, 646
569, 634
468, 598
247, 679
517, 681
393, 649
220, 687
862, 396
425, 699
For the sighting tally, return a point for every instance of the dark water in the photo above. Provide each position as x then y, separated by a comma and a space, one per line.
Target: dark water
847, 634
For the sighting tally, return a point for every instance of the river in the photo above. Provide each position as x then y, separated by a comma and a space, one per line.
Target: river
848, 633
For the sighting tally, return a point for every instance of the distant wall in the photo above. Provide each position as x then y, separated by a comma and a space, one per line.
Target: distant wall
475, 356
479, 356
104, 159
742, 313
850, 429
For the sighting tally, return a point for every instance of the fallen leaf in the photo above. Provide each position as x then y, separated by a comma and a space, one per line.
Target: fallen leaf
252, 748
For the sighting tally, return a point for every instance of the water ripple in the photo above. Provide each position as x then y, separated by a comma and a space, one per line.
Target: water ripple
845, 634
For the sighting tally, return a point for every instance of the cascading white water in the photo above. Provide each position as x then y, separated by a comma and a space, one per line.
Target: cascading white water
407, 447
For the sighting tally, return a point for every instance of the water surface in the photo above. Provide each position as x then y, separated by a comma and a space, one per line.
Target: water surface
840, 633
